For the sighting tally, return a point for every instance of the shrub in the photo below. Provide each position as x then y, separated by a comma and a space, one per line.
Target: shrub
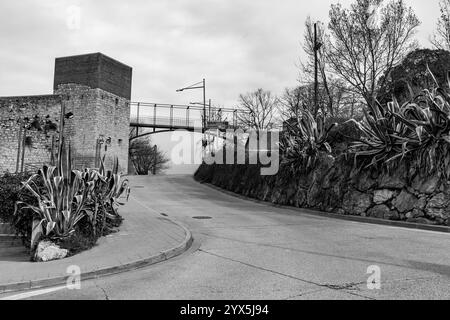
10, 193
65, 198
417, 131
303, 141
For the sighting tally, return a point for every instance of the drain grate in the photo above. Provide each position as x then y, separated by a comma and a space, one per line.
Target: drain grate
202, 218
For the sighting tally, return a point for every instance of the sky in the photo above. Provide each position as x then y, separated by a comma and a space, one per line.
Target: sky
237, 45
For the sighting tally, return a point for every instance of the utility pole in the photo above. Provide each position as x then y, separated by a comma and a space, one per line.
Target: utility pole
204, 105
209, 111
155, 160
316, 72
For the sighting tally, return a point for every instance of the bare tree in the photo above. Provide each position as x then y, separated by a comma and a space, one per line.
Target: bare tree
259, 109
146, 157
294, 100
441, 38
367, 40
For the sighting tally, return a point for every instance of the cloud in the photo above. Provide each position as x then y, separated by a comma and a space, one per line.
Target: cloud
237, 45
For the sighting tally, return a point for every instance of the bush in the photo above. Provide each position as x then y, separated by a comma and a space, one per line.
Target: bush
304, 140
417, 132
70, 207
11, 192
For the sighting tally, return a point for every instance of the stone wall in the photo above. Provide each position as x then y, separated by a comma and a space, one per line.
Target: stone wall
97, 115
335, 186
14, 108
95, 90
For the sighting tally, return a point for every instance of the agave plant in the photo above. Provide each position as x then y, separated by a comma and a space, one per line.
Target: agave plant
304, 139
70, 195
418, 130
62, 201
108, 188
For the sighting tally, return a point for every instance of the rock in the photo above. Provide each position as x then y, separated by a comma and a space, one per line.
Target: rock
356, 202
300, 198
383, 212
391, 181
426, 185
291, 191
438, 206
439, 201
416, 213
48, 251
330, 178
405, 202
362, 180
392, 215
382, 196
315, 195
421, 204
393, 178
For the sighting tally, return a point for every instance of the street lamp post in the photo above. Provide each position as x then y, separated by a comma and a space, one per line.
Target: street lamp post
201, 104
199, 85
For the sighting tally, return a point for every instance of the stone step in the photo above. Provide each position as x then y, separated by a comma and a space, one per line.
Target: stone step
5, 228
14, 251
10, 241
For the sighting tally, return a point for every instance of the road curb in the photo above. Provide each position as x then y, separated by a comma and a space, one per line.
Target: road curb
406, 225
102, 272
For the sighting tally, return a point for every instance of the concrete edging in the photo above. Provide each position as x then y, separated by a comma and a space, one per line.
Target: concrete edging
406, 225
95, 274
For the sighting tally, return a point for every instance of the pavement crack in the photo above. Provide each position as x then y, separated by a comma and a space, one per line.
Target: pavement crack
327, 286
345, 286
103, 290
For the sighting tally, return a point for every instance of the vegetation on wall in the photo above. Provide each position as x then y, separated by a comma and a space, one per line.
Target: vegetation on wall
417, 131
303, 141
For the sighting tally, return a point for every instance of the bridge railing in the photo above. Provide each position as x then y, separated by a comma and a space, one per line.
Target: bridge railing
179, 116
164, 121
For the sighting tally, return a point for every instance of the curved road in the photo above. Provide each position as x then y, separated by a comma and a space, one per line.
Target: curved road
249, 250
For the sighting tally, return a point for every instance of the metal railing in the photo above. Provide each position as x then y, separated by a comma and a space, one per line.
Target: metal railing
148, 115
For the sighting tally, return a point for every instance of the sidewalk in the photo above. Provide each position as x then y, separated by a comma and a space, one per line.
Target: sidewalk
146, 237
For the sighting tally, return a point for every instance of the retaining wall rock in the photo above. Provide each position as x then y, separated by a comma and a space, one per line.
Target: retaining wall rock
334, 185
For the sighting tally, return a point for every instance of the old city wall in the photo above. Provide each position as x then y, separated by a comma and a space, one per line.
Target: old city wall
13, 110
100, 124
98, 117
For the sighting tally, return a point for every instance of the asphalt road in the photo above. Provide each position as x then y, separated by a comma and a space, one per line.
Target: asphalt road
249, 250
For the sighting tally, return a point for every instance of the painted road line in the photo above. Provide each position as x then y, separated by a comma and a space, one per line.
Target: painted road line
35, 293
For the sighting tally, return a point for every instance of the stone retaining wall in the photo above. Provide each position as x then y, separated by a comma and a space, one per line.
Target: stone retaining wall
335, 186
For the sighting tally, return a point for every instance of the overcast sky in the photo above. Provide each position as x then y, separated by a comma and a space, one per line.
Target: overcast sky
237, 45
